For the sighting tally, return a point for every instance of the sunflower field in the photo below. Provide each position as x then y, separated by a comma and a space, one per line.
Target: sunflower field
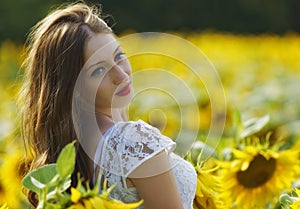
246, 151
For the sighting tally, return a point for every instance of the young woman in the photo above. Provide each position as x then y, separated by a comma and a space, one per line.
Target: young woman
77, 86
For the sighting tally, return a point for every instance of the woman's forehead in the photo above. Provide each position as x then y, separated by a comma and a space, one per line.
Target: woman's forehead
99, 46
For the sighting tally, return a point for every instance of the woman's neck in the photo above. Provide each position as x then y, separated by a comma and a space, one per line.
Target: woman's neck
96, 124
113, 115
106, 119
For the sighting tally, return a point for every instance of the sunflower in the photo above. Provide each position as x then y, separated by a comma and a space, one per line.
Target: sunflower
10, 177
98, 202
4, 206
296, 204
209, 187
258, 174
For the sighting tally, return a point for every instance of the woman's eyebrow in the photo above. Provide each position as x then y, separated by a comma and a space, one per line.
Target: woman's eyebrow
97, 63
118, 47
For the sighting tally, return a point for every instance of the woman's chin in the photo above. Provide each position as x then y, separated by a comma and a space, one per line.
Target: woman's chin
122, 101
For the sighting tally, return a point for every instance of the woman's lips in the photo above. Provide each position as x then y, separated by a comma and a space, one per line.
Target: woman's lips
125, 90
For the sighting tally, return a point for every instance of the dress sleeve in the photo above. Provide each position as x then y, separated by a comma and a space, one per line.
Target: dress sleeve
129, 144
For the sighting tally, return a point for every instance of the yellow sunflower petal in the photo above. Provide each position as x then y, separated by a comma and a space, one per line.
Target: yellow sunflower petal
245, 165
240, 154
199, 189
97, 202
4, 206
268, 173
75, 195
251, 150
208, 188
295, 205
115, 204
76, 206
235, 165
297, 192
87, 204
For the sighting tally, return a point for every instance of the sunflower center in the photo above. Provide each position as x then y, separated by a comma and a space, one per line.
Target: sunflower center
259, 172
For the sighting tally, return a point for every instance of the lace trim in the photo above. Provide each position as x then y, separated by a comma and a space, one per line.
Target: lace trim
129, 144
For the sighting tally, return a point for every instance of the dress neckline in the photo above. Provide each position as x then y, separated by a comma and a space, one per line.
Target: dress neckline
97, 156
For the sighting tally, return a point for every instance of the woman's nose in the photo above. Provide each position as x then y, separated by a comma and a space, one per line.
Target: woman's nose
118, 74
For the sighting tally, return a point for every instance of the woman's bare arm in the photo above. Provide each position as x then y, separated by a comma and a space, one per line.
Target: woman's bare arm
159, 190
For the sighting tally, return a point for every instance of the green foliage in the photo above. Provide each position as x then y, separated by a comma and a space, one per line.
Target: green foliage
66, 161
17, 17
254, 125
37, 179
51, 181
242, 129
286, 200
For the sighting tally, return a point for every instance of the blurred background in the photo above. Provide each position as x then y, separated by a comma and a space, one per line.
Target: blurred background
237, 16
253, 44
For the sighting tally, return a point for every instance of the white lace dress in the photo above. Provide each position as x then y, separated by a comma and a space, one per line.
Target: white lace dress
122, 150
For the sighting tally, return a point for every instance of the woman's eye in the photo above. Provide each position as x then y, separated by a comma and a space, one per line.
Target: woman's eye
120, 56
97, 71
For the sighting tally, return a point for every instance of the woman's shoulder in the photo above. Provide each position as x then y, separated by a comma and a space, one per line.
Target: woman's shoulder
133, 125
138, 139
137, 132
132, 143
129, 128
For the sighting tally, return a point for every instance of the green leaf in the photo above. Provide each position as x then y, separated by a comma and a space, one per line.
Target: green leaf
37, 184
65, 185
41, 204
253, 125
237, 124
57, 198
43, 175
53, 206
201, 151
285, 199
66, 161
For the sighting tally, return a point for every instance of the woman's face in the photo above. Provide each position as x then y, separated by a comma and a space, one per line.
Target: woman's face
107, 73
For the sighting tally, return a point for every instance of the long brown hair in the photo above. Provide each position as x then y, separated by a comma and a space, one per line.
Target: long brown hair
53, 62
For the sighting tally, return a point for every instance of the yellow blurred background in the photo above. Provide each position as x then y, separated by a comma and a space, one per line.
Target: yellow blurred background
260, 75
